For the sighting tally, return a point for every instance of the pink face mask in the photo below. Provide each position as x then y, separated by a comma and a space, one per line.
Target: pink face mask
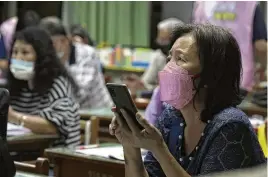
176, 85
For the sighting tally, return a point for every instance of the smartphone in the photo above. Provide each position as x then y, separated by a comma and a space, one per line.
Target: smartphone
4, 105
122, 100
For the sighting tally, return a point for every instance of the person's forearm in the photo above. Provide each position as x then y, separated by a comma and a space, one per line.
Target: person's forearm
168, 163
133, 163
36, 124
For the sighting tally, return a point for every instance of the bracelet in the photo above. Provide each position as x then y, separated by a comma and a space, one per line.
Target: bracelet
21, 120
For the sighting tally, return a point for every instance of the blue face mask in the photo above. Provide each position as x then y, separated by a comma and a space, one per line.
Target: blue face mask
22, 64
22, 70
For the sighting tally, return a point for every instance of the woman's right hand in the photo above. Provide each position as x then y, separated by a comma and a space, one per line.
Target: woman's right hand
130, 136
122, 136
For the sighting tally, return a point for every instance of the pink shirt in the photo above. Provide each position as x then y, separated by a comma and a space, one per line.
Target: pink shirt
237, 16
7, 29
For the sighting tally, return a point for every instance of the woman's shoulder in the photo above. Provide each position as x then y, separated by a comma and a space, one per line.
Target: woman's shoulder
84, 53
61, 85
231, 115
61, 80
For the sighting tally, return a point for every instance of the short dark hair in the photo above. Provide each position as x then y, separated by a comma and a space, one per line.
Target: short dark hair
27, 19
78, 30
220, 60
47, 65
53, 26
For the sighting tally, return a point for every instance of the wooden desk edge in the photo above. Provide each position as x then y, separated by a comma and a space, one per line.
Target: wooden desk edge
30, 138
82, 157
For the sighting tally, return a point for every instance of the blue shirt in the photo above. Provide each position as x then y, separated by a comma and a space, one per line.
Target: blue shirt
2, 48
227, 142
259, 26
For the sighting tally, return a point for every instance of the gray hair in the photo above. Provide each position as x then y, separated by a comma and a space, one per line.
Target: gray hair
50, 19
53, 25
169, 23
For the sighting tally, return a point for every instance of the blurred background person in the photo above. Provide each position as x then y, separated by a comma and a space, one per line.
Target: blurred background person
9, 27
245, 20
149, 80
156, 106
3, 55
80, 35
82, 62
14, 24
41, 89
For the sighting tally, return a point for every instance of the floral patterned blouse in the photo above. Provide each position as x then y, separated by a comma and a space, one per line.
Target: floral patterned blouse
227, 142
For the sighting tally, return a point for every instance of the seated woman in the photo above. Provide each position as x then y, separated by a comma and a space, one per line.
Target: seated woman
200, 131
41, 89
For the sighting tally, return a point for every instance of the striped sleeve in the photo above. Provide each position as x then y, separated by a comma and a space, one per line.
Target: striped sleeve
63, 113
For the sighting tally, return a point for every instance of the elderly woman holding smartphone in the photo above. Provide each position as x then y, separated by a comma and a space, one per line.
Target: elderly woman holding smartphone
200, 131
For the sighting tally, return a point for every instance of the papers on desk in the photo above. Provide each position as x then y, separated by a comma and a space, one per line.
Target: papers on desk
257, 121
114, 152
16, 130
263, 84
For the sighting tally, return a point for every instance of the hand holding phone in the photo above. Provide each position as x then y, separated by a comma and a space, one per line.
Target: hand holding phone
122, 100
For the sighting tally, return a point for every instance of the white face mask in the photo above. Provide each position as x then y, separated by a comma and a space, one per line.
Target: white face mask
22, 70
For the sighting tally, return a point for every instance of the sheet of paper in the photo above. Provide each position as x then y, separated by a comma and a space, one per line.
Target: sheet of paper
115, 152
102, 151
16, 130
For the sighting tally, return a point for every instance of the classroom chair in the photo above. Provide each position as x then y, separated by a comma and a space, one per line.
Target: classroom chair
141, 103
41, 166
90, 131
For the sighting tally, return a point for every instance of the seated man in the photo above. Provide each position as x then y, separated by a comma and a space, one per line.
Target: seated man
149, 79
82, 63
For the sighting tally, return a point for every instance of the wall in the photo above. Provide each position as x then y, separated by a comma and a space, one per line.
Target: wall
179, 9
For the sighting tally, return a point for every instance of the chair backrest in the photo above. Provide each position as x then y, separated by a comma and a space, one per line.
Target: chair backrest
41, 166
89, 131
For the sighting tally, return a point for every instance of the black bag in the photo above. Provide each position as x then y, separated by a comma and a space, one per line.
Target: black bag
7, 167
